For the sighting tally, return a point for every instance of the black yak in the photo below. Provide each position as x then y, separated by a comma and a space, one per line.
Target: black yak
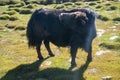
74, 28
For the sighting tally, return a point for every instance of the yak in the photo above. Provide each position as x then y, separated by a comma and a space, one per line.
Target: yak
74, 28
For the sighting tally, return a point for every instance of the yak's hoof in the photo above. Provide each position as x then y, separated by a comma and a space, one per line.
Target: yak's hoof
72, 66
40, 58
51, 55
89, 59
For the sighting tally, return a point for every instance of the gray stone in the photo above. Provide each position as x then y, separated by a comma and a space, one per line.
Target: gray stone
107, 78
98, 53
100, 32
113, 37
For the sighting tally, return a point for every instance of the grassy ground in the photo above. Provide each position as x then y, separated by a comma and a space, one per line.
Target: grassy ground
17, 62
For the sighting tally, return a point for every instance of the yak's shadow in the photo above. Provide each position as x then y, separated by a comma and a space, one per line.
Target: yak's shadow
32, 72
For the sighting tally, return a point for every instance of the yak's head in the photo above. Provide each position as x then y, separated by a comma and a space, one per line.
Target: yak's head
74, 19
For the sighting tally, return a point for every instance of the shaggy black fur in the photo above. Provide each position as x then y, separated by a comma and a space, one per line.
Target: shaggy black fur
74, 28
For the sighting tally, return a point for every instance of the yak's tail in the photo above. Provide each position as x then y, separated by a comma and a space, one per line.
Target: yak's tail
30, 33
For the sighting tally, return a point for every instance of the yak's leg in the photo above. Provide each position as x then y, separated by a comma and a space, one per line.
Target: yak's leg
88, 49
46, 42
39, 50
89, 57
73, 52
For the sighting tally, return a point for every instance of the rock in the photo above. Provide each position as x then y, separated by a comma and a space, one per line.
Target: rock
92, 71
117, 23
101, 52
69, 60
100, 32
107, 78
113, 37
113, 27
48, 63
57, 51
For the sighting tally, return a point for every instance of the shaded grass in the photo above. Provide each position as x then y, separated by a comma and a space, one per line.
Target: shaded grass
110, 46
17, 5
4, 17
25, 11
20, 28
9, 12
116, 19
6, 2
7, 17
103, 18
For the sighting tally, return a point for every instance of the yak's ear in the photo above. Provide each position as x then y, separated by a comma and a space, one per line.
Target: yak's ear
81, 18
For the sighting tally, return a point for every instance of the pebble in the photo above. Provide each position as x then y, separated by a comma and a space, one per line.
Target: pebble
113, 37
113, 27
101, 52
100, 32
48, 63
93, 71
107, 78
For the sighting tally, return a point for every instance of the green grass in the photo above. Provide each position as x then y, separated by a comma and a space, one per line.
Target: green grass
18, 62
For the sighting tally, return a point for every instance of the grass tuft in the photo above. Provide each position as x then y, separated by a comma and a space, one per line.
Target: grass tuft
20, 28
116, 19
25, 11
7, 17
30, 6
13, 18
4, 17
10, 26
99, 6
61, 6
14, 9
110, 46
92, 4
9, 12
78, 3
107, 4
112, 8
68, 3
103, 18
7, 2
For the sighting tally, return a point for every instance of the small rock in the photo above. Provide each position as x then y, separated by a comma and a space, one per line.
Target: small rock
48, 63
117, 24
57, 51
92, 71
100, 32
113, 27
107, 78
69, 60
101, 52
113, 37
3, 40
